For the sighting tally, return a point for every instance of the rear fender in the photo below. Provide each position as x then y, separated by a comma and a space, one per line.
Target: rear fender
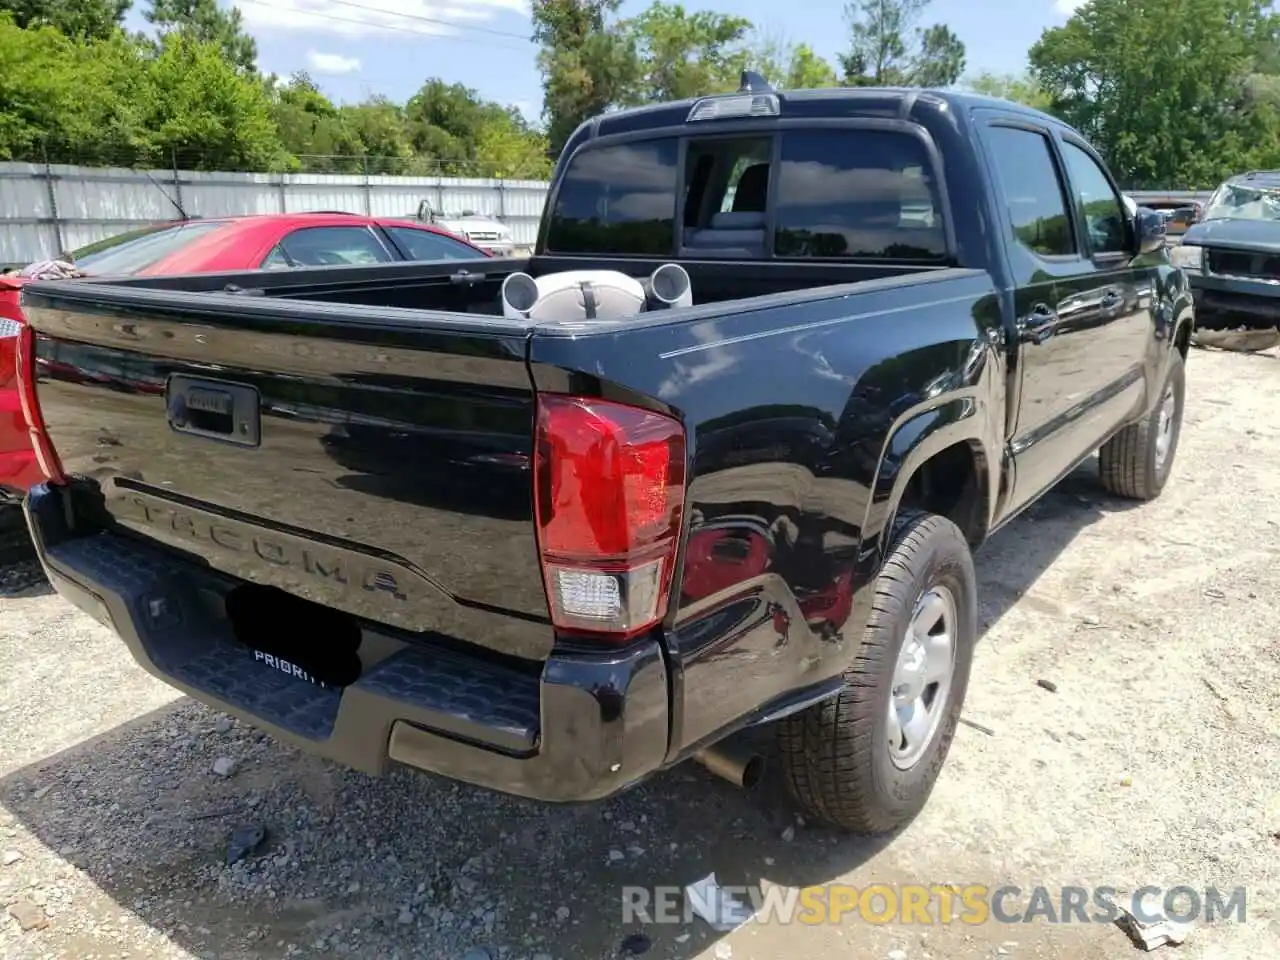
915, 439
1175, 322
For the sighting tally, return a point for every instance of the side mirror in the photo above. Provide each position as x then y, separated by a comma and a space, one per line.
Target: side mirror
1149, 230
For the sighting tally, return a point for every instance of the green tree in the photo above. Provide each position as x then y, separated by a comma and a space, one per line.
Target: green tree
466, 135
379, 124
443, 121
68, 100
314, 130
205, 111
506, 147
123, 101
1018, 88
209, 23
807, 71
684, 54
789, 66
587, 63
886, 48
81, 19
1162, 87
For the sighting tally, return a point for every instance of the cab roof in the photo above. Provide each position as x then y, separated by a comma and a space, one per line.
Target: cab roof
1257, 178
817, 104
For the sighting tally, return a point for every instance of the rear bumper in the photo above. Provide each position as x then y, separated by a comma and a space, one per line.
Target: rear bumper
587, 727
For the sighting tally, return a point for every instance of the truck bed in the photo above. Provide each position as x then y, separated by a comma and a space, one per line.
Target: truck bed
472, 287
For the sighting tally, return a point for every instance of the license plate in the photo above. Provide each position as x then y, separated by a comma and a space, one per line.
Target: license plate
271, 661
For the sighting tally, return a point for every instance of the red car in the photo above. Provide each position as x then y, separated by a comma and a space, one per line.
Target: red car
271, 242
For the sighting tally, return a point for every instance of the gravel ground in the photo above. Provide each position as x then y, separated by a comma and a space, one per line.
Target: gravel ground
1154, 762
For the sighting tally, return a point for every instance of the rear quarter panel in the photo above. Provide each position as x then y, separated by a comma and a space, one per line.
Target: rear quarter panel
805, 416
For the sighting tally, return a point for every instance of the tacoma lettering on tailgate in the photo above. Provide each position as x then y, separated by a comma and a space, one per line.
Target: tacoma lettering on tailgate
332, 566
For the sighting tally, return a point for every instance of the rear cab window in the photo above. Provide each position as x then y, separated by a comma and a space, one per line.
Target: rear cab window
618, 200
822, 193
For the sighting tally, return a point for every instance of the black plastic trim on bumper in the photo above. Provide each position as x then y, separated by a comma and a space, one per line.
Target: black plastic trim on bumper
590, 726
1216, 307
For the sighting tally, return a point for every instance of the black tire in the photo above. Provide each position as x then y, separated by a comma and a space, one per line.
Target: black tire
835, 755
1129, 464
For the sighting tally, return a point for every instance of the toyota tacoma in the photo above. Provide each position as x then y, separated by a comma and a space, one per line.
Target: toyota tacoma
715, 457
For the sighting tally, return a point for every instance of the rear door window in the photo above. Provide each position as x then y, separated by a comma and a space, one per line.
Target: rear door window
865, 194
425, 245
618, 200
1031, 190
330, 246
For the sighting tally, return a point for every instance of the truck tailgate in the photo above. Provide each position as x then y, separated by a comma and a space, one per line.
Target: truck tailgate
371, 459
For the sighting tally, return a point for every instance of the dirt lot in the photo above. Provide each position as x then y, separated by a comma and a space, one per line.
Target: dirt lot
1155, 762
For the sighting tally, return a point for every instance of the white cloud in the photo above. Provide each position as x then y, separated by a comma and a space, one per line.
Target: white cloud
408, 19
332, 62
1068, 7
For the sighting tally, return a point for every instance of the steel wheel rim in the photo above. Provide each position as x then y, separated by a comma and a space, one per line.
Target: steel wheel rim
922, 677
1164, 428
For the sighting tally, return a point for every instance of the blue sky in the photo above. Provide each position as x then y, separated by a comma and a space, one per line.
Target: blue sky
354, 48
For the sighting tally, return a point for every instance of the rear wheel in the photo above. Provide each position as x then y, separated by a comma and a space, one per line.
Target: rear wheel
867, 760
1136, 462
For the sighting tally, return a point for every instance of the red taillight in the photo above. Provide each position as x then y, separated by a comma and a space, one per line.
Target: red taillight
10, 333
609, 495
45, 455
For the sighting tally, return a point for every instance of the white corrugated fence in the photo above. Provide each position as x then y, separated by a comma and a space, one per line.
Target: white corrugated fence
47, 209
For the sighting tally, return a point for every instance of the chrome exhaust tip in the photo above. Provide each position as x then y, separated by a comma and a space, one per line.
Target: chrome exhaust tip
734, 761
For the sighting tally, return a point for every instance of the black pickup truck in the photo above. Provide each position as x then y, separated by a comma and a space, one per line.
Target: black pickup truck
380, 515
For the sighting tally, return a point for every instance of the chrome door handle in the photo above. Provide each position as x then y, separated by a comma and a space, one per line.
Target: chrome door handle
1039, 325
1111, 299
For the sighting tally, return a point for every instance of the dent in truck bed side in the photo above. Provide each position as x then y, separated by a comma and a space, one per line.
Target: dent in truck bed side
796, 417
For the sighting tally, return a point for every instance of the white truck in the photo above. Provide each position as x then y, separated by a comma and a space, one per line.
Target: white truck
482, 231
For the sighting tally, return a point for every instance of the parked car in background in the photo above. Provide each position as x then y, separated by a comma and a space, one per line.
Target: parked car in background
1232, 261
270, 241
486, 233
1178, 215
